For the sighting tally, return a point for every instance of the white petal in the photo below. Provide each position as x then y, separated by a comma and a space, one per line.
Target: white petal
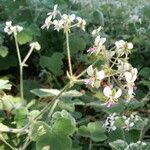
97, 40
100, 75
134, 74
99, 28
64, 16
103, 40
128, 76
90, 70
118, 94
55, 7
72, 17
79, 19
9, 23
130, 45
107, 91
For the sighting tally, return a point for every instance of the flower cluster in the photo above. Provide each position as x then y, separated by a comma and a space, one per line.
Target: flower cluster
127, 122
110, 122
10, 29
130, 121
117, 71
137, 145
65, 22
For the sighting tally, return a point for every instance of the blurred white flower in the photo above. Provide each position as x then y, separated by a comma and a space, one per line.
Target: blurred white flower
94, 75
35, 45
96, 31
9, 29
123, 66
55, 12
112, 95
68, 19
81, 23
48, 22
58, 24
130, 78
122, 47
110, 122
135, 18
99, 41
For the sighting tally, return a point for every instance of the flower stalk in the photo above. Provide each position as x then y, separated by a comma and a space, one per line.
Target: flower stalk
68, 54
20, 67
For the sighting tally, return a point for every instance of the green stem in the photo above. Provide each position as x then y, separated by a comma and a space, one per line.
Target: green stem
21, 82
68, 54
2, 138
57, 100
20, 66
27, 56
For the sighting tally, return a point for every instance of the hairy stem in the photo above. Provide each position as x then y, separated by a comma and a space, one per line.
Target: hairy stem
68, 54
2, 138
57, 100
20, 66
27, 56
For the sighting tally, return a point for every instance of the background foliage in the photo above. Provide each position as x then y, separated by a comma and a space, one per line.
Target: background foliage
127, 20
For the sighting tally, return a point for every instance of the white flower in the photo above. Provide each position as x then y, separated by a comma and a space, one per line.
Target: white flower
128, 123
96, 31
110, 122
94, 75
130, 78
123, 66
81, 23
98, 74
58, 24
35, 45
122, 46
99, 41
9, 29
55, 12
48, 22
68, 19
51, 15
111, 93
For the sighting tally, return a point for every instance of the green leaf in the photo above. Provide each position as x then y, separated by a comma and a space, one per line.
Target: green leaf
94, 130
76, 44
84, 131
29, 85
24, 37
39, 129
3, 51
21, 116
97, 131
118, 145
98, 18
145, 72
63, 126
54, 92
53, 63
55, 137
146, 83
4, 85
9, 102
5, 62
